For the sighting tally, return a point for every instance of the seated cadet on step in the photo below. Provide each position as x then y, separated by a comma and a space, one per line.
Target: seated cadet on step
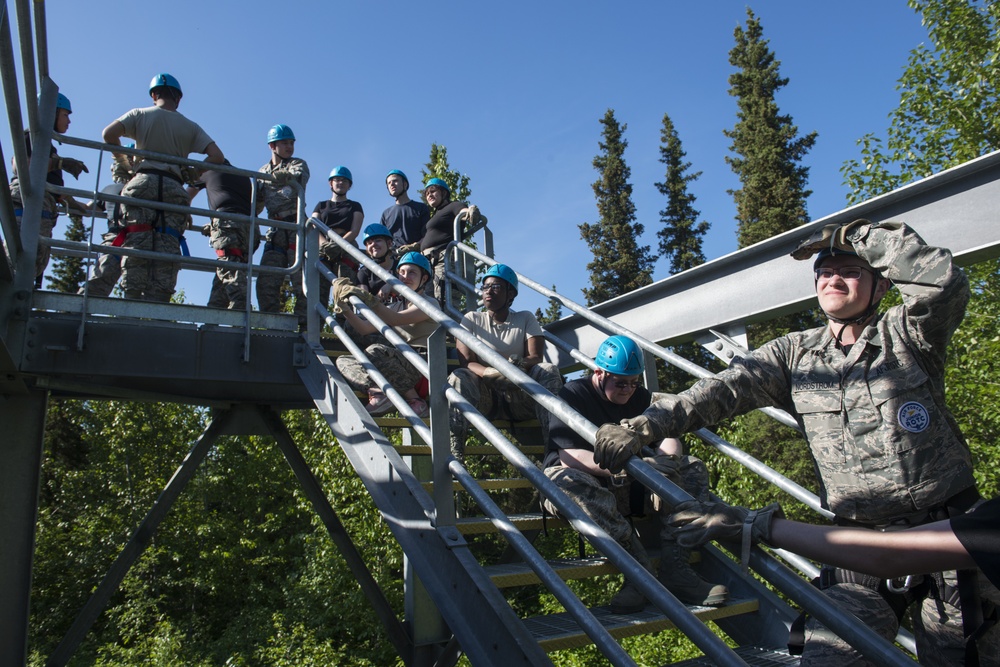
611, 393
409, 321
515, 335
378, 244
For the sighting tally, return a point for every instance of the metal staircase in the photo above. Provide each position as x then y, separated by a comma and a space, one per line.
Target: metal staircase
249, 367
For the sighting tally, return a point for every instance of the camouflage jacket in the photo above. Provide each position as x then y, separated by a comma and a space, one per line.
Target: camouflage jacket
885, 445
281, 199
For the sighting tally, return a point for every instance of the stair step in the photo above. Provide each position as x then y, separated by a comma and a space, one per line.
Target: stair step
755, 656
531, 521
497, 484
471, 450
558, 632
508, 575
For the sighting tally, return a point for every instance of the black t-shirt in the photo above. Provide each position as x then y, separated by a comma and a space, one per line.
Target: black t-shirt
441, 226
371, 282
407, 222
979, 533
338, 215
583, 397
55, 177
227, 192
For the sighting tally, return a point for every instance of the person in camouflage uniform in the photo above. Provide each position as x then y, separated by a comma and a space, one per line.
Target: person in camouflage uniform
514, 334
161, 129
281, 200
108, 268
409, 321
57, 165
228, 193
868, 392
611, 393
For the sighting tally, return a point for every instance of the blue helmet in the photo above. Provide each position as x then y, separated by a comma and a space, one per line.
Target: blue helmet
342, 172
620, 355
438, 182
374, 231
397, 172
503, 272
279, 133
416, 259
165, 80
62, 102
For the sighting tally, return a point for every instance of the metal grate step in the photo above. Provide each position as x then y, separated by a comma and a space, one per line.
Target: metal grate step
508, 575
558, 632
523, 522
754, 656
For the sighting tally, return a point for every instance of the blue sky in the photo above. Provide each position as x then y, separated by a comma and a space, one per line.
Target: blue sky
514, 90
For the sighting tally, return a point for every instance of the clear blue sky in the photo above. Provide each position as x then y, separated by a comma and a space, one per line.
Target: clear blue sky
514, 90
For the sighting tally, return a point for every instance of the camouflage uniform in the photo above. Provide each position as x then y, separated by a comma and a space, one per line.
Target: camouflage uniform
108, 268
387, 358
280, 244
49, 212
155, 230
886, 448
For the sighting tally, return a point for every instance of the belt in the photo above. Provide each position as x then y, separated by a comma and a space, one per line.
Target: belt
131, 229
162, 173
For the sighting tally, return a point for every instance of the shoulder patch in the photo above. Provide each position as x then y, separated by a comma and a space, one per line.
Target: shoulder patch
913, 417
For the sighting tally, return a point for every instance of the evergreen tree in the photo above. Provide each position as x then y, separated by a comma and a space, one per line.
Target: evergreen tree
552, 313
947, 114
766, 144
681, 234
620, 264
437, 167
69, 273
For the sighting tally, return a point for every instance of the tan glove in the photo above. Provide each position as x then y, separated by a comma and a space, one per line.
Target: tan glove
666, 465
206, 230
190, 175
517, 360
615, 445
121, 172
698, 523
71, 166
472, 214
403, 249
344, 288
832, 236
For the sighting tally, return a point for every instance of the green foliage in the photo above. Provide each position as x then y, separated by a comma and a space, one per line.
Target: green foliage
620, 265
949, 107
552, 313
69, 273
681, 235
437, 167
766, 144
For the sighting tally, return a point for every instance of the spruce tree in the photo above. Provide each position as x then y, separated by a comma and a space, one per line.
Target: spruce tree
437, 167
68, 273
552, 313
620, 264
681, 234
766, 144
681, 237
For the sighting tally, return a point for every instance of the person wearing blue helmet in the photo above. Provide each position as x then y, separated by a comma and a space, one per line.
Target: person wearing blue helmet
515, 335
281, 199
161, 129
409, 321
406, 218
378, 244
613, 392
344, 217
867, 388
57, 165
440, 228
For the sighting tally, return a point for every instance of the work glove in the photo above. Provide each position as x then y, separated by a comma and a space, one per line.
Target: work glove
492, 374
344, 288
121, 172
701, 522
472, 214
667, 465
190, 175
517, 360
206, 230
615, 445
833, 236
282, 176
403, 249
71, 166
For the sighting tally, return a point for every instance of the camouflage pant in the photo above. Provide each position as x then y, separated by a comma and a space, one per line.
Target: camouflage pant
45, 227
153, 280
229, 287
279, 251
106, 272
609, 506
388, 360
937, 627
500, 399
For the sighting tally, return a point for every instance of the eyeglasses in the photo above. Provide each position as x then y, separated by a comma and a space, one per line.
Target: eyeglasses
491, 287
630, 385
845, 272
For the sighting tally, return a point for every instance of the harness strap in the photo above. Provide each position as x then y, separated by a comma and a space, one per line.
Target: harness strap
48, 215
161, 173
229, 252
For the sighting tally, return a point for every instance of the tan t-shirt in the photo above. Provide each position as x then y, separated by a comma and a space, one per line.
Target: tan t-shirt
169, 132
